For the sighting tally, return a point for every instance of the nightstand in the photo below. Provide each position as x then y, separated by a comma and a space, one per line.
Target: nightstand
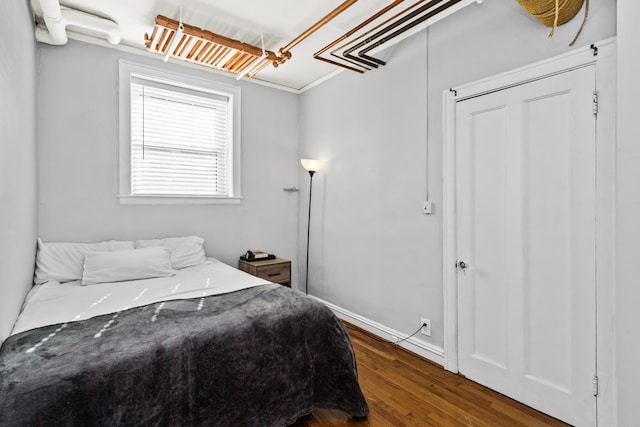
274, 270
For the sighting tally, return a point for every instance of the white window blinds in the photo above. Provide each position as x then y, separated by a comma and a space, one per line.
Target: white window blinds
181, 142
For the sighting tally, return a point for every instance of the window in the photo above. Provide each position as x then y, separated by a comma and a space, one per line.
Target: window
179, 138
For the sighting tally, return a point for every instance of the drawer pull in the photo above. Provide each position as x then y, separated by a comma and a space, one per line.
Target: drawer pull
273, 274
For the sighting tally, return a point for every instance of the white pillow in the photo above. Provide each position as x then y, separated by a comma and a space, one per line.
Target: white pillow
63, 261
185, 251
128, 264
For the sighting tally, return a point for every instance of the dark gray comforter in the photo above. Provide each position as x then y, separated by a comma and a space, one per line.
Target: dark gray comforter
258, 357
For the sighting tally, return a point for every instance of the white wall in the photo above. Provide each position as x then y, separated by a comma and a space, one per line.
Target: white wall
18, 159
628, 216
372, 250
78, 143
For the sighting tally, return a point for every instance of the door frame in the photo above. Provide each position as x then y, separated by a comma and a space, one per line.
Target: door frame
603, 56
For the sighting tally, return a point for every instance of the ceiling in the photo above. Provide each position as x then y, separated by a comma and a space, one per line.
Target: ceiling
278, 21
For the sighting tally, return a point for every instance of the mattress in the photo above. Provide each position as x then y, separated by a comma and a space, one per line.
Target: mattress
209, 346
54, 302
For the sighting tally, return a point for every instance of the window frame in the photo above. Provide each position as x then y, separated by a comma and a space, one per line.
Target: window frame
126, 69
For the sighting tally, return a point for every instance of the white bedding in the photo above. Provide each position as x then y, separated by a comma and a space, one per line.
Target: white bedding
53, 302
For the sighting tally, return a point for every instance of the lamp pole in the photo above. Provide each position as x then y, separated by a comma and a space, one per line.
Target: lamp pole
312, 166
306, 280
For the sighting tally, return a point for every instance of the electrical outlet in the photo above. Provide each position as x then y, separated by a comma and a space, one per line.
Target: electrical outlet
427, 207
426, 328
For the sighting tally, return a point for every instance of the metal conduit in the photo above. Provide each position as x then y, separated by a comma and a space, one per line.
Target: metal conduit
351, 32
429, 5
382, 33
381, 25
423, 18
284, 52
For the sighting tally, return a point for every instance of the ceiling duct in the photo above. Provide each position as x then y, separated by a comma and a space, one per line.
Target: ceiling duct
57, 19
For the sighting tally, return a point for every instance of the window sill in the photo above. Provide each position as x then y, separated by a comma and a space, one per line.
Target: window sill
178, 200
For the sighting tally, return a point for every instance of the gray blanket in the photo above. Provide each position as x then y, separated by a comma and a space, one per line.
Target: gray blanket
258, 357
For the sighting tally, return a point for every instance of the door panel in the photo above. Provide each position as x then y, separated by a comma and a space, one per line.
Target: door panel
525, 162
489, 208
547, 242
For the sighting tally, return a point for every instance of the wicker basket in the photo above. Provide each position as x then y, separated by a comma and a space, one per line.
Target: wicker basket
545, 10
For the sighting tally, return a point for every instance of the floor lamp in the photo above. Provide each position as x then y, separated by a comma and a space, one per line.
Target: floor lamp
312, 166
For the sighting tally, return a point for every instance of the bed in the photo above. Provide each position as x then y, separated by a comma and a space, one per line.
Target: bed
202, 344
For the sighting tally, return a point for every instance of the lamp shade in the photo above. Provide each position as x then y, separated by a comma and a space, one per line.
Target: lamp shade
312, 165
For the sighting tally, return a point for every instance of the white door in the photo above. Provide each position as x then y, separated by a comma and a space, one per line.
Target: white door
525, 201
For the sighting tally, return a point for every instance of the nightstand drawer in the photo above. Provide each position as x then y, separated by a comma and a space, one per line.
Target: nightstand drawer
274, 270
275, 273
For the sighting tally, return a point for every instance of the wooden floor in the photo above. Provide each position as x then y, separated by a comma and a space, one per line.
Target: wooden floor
403, 389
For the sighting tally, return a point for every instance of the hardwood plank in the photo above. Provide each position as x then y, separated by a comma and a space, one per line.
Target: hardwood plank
403, 389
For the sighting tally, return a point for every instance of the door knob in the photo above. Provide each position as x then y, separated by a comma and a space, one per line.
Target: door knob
462, 265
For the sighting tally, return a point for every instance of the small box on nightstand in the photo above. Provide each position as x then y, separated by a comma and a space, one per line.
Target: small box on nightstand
276, 270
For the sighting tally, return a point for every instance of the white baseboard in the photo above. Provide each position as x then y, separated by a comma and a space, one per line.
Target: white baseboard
413, 344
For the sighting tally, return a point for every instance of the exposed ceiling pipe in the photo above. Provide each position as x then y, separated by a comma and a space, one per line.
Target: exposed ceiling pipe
437, 14
350, 33
285, 51
365, 35
424, 12
57, 19
315, 27
368, 39
347, 53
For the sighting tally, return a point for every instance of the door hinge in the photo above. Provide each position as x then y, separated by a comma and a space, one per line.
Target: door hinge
595, 385
595, 103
